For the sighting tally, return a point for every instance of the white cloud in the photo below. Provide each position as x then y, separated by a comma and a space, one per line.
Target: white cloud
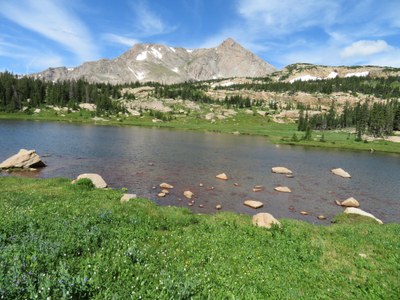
119, 39
55, 21
147, 22
365, 48
278, 17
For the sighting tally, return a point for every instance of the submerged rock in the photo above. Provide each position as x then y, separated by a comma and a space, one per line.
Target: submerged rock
96, 179
265, 220
357, 211
23, 159
340, 172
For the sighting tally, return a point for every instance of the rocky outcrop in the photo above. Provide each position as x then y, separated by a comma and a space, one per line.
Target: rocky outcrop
96, 179
357, 211
23, 159
340, 172
265, 220
350, 202
281, 170
164, 64
253, 203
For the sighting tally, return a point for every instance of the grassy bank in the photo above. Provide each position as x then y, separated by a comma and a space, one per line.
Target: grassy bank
67, 241
242, 123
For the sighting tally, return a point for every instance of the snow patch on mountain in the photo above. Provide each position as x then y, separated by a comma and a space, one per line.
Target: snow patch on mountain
156, 53
305, 78
357, 74
142, 56
189, 50
172, 49
176, 70
332, 75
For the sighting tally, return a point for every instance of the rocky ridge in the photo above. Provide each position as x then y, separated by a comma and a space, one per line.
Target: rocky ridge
165, 64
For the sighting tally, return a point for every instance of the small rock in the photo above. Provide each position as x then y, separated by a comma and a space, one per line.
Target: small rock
153, 187
304, 213
97, 180
236, 184
340, 172
289, 176
190, 204
151, 164
321, 217
222, 176
257, 190
258, 186
363, 255
127, 197
210, 188
265, 220
281, 170
201, 205
161, 195
253, 203
201, 185
350, 202
283, 189
338, 203
165, 191
166, 186
188, 194
357, 211
218, 206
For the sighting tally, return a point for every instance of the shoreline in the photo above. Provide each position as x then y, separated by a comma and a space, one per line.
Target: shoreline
276, 133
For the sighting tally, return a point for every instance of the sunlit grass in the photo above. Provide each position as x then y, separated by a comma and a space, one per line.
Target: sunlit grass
66, 241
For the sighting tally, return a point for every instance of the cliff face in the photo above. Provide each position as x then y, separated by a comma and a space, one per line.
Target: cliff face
164, 64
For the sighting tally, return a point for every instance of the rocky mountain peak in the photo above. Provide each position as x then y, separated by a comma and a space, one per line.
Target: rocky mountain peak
167, 64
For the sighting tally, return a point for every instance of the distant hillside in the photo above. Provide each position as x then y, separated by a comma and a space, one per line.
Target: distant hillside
164, 64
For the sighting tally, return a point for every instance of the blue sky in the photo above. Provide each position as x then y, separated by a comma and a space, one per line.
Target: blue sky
37, 34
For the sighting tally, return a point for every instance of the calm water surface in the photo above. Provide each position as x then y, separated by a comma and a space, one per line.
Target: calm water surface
141, 158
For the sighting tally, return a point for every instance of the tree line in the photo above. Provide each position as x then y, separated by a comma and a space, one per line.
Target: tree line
378, 119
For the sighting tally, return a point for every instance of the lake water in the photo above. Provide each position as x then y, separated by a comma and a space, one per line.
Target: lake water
141, 158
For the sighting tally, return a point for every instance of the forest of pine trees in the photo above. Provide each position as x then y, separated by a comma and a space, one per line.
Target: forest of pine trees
16, 93
378, 119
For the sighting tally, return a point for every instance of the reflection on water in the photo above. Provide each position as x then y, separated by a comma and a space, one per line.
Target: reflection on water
141, 158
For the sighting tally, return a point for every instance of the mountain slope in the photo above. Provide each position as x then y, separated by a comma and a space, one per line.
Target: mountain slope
160, 63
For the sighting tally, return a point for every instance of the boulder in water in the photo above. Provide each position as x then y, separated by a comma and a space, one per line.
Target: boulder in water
23, 159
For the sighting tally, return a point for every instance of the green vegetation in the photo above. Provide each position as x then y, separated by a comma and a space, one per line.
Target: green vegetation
74, 242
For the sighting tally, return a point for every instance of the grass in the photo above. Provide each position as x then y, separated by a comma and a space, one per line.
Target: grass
242, 122
74, 242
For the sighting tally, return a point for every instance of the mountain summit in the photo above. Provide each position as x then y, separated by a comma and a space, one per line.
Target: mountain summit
165, 64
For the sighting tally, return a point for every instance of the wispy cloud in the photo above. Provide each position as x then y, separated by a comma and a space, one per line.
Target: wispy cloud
55, 21
31, 58
120, 39
281, 17
148, 22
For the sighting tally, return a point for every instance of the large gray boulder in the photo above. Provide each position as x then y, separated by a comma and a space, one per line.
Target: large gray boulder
96, 179
23, 159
